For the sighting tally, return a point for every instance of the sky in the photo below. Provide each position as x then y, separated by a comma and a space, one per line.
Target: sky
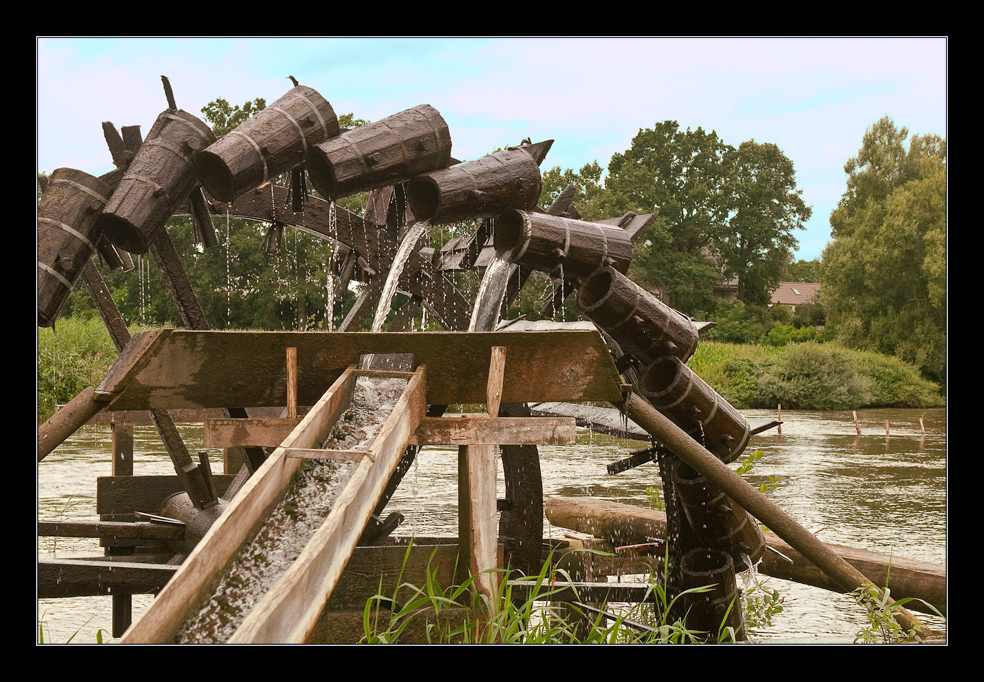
813, 97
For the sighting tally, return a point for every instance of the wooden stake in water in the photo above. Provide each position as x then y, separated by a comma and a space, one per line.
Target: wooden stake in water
857, 427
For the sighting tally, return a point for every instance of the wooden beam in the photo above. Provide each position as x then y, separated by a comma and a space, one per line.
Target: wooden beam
198, 369
264, 489
289, 611
292, 383
267, 432
477, 515
486, 430
493, 391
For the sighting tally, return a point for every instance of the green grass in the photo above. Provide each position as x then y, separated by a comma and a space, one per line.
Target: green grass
459, 615
74, 355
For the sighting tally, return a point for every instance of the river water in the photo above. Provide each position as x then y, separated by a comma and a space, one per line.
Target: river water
884, 493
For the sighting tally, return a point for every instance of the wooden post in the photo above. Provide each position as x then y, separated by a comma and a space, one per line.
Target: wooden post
122, 466
291, 383
476, 494
857, 427
690, 451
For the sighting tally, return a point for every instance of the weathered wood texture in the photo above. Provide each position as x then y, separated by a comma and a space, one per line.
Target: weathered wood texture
385, 152
624, 524
192, 369
160, 177
676, 391
641, 324
555, 245
85, 578
718, 521
261, 492
496, 183
262, 432
274, 140
67, 236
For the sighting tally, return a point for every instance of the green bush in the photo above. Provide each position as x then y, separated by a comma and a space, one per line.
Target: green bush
784, 334
814, 376
895, 383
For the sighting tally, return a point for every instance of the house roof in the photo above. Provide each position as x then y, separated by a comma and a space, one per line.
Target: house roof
795, 293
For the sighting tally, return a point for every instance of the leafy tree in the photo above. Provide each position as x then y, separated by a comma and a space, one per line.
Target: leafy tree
679, 176
223, 117
883, 277
590, 191
765, 209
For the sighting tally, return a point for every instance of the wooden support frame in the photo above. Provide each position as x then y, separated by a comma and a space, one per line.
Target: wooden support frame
261, 492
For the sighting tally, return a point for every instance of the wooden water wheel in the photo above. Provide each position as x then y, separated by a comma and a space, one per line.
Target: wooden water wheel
181, 169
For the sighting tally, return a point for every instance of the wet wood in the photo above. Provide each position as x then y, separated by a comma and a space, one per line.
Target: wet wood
158, 180
67, 236
260, 493
678, 392
560, 246
272, 141
200, 369
290, 610
640, 323
496, 183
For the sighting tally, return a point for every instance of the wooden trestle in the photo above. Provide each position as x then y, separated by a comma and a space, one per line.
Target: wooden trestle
190, 369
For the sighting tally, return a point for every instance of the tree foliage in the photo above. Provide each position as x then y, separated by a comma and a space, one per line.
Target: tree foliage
883, 277
765, 209
679, 176
721, 212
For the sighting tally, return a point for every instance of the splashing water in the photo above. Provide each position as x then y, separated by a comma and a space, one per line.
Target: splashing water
410, 239
488, 301
292, 524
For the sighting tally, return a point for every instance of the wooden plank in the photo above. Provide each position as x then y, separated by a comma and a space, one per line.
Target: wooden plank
200, 369
292, 383
86, 577
290, 610
110, 529
261, 492
485, 430
266, 432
